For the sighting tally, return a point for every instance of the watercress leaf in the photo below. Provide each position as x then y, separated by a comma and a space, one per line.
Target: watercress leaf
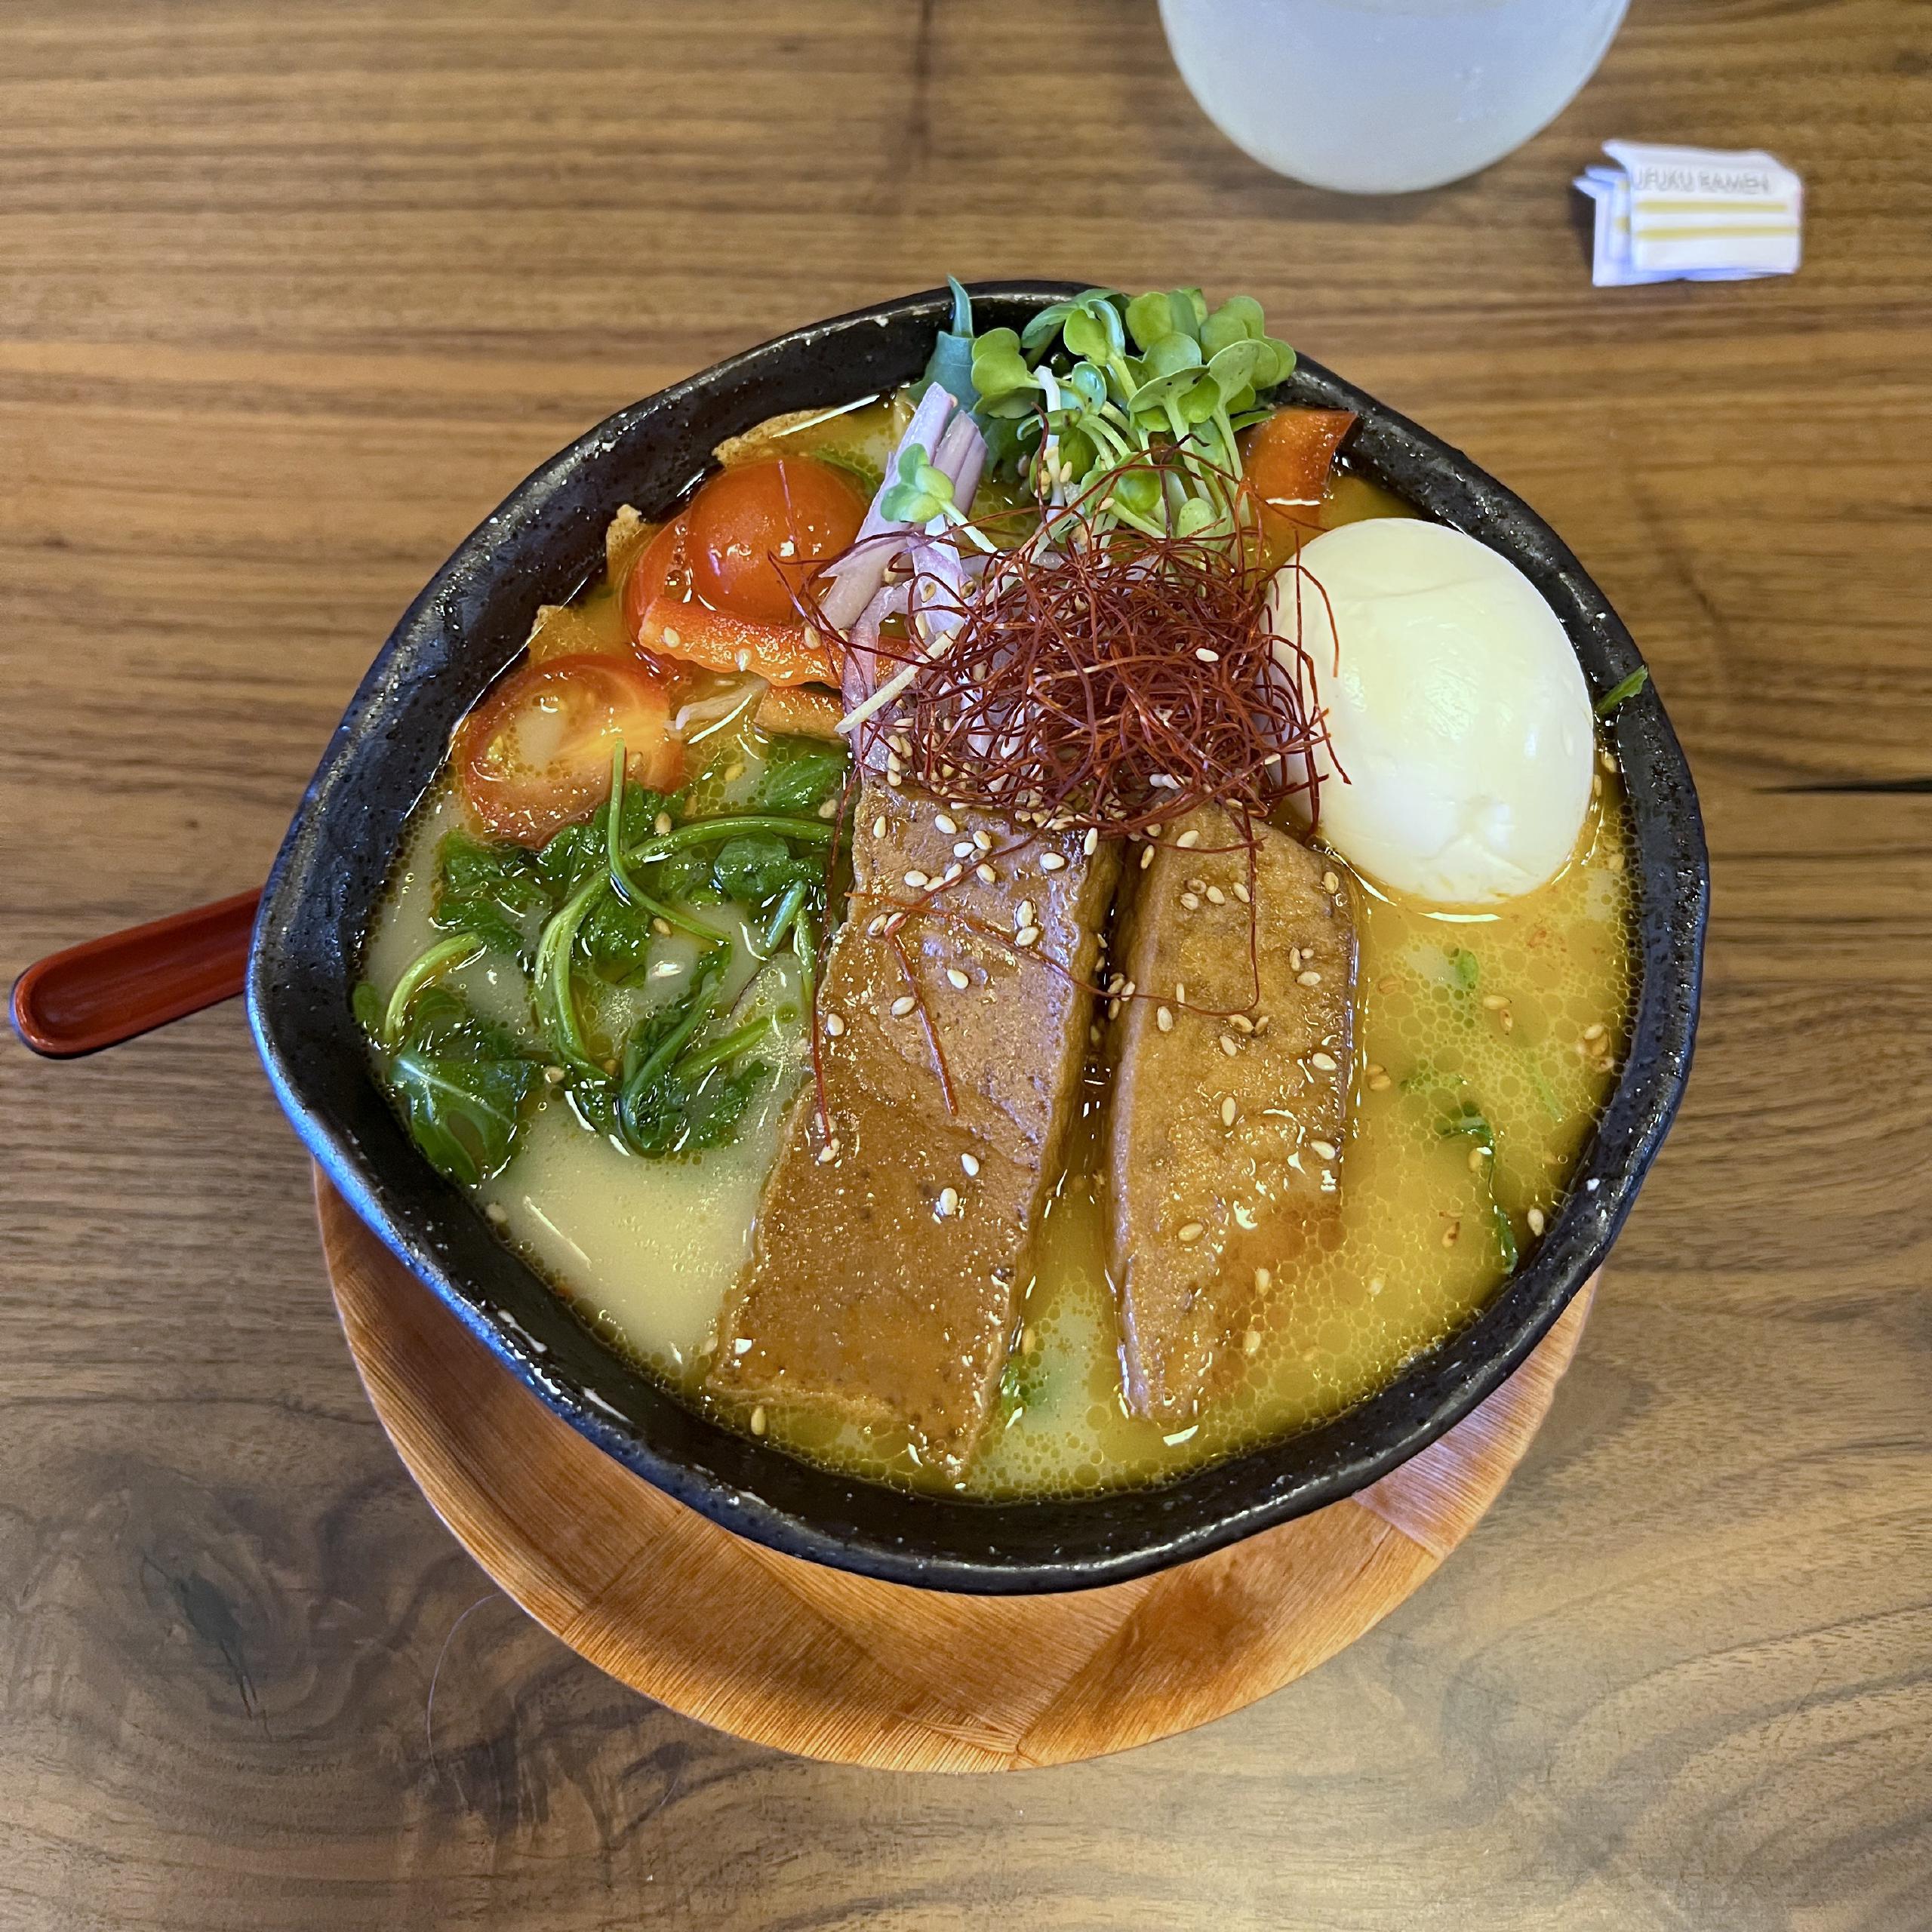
616, 939
492, 891
756, 866
366, 1003
1465, 968
570, 856
463, 1086
799, 775
715, 1107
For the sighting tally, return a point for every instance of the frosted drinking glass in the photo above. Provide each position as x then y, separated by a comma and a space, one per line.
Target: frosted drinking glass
1377, 97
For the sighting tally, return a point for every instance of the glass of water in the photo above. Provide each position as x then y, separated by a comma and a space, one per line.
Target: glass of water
1378, 97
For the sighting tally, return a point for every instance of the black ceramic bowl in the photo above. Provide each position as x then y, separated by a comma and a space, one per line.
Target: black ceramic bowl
543, 542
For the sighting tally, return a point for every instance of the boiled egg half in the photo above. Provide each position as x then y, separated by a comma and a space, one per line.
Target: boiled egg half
1455, 706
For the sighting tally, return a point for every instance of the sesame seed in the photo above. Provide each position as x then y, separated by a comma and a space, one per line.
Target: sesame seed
829, 808
1494, 1002
1608, 763
1229, 1110
1216, 897
916, 879
1615, 862
1242, 893
1322, 1150
1127, 989
1030, 1342
1091, 843
1164, 1019
1596, 784
957, 979
1027, 935
1189, 902
1326, 1062
834, 1025
1375, 1284
758, 1420
1240, 1023
965, 849
878, 826
1189, 839
902, 1005
1051, 862
1595, 1032
1197, 885
1331, 882
734, 772
1022, 915
661, 925
875, 925
672, 640
1180, 992
1263, 1281
1536, 1220
1092, 1030
894, 779
497, 1212
556, 1075
1262, 1025
985, 874
1147, 856
948, 1203
1388, 983
1308, 979
1190, 1234
1250, 1343
971, 1162
1230, 1045
984, 840
661, 823
1374, 1067
951, 873
1208, 657
945, 824
1477, 1156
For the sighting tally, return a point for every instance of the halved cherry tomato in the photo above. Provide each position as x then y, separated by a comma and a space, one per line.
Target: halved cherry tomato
1287, 458
756, 532
659, 571
722, 641
536, 753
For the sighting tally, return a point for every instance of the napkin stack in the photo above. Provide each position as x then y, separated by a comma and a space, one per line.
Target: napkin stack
1692, 214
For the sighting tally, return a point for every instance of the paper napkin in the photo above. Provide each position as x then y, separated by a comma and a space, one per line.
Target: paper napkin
1692, 214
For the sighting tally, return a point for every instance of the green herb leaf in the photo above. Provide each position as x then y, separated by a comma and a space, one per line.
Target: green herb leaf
800, 774
494, 891
463, 1085
1465, 967
756, 867
1624, 688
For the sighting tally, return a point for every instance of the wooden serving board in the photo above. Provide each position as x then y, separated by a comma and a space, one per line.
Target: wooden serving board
813, 1660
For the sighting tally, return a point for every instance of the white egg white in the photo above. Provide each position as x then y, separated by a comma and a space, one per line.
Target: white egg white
1459, 724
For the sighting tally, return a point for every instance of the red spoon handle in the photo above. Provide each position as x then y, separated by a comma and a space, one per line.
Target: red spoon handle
128, 982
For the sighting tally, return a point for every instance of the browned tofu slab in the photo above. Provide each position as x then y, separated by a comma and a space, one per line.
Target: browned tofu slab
884, 1279
1224, 1133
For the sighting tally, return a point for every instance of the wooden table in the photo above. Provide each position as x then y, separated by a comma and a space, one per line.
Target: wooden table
289, 297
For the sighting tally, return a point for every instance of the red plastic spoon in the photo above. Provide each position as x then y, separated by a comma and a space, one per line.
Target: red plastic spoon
129, 983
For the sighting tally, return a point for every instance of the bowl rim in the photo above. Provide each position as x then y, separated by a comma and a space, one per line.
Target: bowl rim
752, 1488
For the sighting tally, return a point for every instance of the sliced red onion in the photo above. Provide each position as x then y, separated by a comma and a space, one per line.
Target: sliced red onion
860, 573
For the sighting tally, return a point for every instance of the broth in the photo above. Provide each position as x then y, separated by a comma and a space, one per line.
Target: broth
1485, 1045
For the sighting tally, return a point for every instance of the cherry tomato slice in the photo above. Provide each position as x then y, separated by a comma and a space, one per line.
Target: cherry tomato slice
536, 753
1288, 457
722, 641
756, 531
659, 571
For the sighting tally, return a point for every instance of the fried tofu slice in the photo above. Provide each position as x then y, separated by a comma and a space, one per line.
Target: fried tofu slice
889, 1258
1228, 1111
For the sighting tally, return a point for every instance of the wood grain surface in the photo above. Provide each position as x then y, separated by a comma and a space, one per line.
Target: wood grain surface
289, 297
856, 1672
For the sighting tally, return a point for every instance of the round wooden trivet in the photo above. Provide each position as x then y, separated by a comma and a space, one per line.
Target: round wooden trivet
812, 1661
